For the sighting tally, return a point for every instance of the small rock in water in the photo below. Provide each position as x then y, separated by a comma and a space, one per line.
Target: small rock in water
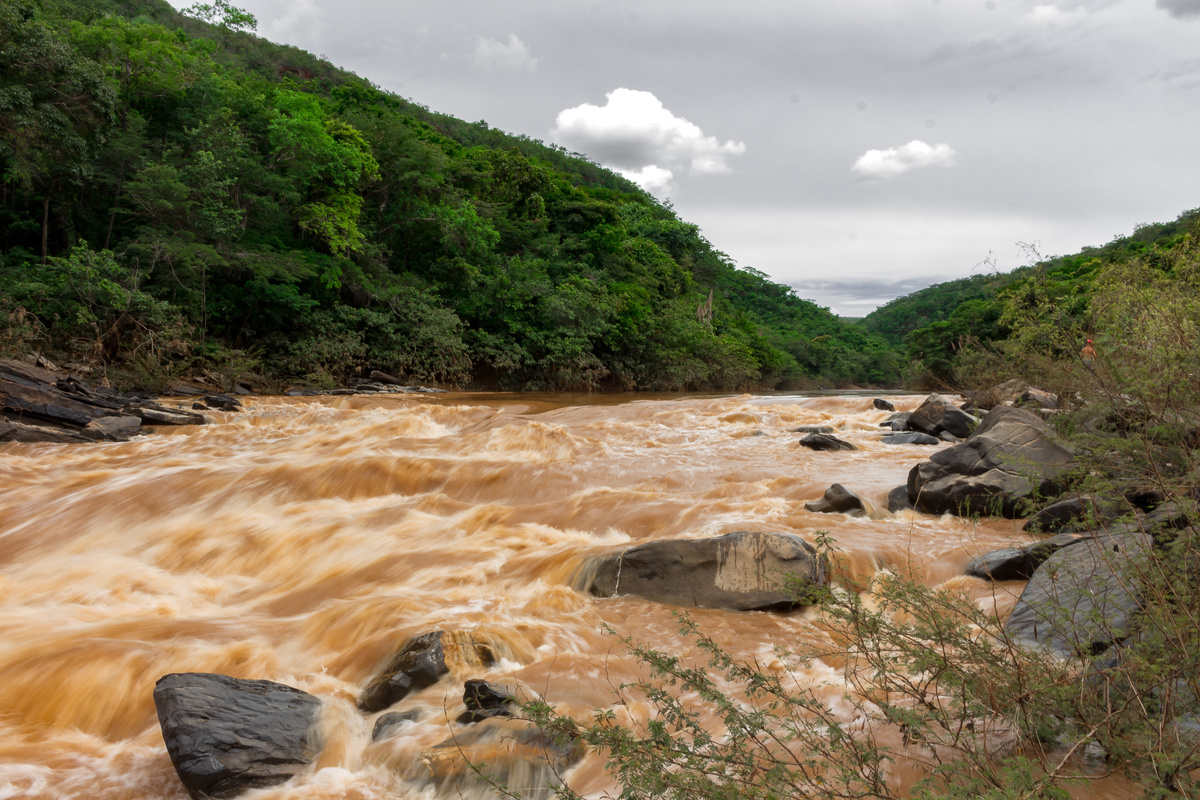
882, 405
813, 429
387, 723
421, 662
821, 441
838, 500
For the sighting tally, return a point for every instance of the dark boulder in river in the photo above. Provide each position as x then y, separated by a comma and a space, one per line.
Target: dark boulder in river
823, 441
421, 662
838, 500
938, 414
742, 571
226, 735
1009, 460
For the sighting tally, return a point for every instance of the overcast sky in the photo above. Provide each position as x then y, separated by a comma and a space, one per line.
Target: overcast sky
857, 150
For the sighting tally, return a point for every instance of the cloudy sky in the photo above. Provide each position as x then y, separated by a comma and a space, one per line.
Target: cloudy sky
857, 150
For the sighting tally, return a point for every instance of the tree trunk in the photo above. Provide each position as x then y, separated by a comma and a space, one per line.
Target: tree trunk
45, 226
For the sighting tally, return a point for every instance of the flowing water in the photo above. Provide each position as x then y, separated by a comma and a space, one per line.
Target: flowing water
304, 539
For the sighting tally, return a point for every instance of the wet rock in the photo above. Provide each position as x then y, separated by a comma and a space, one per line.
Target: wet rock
898, 422
947, 436
840, 500
910, 438
226, 735
743, 571
937, 414
486, 700
1019, 563
388, 723
1082, 598
821, 441
897, 500
813, 429
516, 754
420, 662
1009, 460
33, 434
45, 403
156, 414
222, 402
1074, 513
112, 429
882, 405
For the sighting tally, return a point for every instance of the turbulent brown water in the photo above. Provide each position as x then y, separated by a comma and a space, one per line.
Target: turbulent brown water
303, 540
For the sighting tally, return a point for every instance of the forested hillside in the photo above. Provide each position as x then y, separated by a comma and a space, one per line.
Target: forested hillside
948, 328
179, 194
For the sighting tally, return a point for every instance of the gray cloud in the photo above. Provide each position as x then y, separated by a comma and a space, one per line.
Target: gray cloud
1180, 8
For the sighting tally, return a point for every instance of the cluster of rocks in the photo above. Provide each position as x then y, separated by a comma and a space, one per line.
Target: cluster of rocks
226, 735
379, 383
37, 405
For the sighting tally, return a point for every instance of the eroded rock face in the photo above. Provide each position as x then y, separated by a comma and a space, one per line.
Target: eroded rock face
420, 662
226, 735
1010, 459
743, 571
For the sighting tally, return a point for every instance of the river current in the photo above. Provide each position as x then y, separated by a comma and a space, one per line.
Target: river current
304, 539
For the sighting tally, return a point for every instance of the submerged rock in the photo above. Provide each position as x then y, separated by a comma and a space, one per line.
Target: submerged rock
421, 662
910, 438
226, 735
743, 571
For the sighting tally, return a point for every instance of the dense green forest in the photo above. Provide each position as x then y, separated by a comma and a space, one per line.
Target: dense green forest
959, 332
179, 194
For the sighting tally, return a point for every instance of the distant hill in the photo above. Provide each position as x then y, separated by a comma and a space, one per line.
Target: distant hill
180, 194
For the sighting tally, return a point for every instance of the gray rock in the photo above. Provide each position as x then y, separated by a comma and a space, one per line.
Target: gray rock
226, 735
937, 414
112, 429
1075, 513
821, 441
910, 438
999, 470
742, 571
1019, 563
1082, 598
32, 434
897, 500
155, 414
421, 662
387, 723
838, 500
486, 700
882, 405
947, 436
813, 429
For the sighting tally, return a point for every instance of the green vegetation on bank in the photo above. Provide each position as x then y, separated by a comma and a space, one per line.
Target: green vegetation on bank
178, 194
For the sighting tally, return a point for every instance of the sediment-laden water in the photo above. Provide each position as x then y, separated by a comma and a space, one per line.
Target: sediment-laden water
303, 540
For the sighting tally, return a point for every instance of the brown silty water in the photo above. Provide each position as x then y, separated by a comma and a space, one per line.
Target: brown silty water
303, 540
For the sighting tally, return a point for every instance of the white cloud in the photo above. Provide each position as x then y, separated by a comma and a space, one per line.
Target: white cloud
636, 135
1180, 8
494, 56
895, 161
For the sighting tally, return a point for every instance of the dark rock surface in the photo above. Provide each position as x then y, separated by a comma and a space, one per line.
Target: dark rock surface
823, 441
1019, 563
421, 662
937, 414
838, 500
882, 405
897, 500
1009, 460
388, 724
486, 700
813, 429
743, 571
911, 437
226, 735
1075, 513
38, 405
